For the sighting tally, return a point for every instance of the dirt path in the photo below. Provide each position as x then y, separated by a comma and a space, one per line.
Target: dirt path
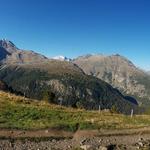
34, 134
127, 139
7, 133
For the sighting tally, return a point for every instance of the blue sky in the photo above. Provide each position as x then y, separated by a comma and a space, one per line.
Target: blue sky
77, 27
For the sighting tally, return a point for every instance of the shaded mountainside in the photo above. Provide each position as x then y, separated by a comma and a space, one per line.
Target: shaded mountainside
3, 53
3, 86
69, 87
120, 73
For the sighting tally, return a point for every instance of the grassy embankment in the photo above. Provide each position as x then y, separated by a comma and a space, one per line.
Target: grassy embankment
19, 113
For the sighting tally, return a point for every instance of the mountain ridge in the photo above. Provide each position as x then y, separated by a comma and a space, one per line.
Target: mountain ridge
12, 54
38, 77
118, 71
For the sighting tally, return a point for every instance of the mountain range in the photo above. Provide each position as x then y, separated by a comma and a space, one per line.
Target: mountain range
120, 73
83, 82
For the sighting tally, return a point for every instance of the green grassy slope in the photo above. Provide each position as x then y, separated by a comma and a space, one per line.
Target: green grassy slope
19, 113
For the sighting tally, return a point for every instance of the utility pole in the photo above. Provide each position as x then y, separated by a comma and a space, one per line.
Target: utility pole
24, 95
99, 108
131, 113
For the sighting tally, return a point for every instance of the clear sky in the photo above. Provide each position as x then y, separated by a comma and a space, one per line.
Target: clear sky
77, 27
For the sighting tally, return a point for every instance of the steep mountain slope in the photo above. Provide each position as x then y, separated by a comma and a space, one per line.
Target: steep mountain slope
3, 53
120, 73
61, 82
67, 86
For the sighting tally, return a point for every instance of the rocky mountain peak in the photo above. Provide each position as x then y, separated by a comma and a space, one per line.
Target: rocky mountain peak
122, 59
115, 59
8, 45
9, 53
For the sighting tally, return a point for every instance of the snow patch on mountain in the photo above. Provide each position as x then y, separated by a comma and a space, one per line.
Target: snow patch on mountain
61, 58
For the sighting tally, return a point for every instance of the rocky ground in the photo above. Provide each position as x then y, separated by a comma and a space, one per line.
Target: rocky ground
94, 143
85, 140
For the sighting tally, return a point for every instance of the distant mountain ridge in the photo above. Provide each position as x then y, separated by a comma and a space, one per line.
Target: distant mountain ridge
60, 82
119, 72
